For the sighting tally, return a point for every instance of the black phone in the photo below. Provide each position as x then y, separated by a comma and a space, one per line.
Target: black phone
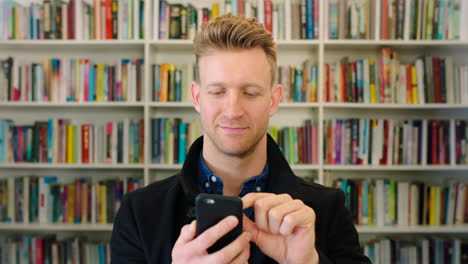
210, 209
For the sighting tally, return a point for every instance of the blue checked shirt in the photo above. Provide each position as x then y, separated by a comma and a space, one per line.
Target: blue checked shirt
212, 184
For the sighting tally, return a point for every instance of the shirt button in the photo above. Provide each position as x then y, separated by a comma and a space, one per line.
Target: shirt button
258, 188
213, 178
207, 185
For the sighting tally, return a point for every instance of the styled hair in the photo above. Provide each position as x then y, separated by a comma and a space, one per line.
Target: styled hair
231, 32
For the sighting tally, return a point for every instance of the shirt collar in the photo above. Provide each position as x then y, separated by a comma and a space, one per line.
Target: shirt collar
212, 183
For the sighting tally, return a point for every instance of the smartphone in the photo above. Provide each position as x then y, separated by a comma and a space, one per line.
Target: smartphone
210, 209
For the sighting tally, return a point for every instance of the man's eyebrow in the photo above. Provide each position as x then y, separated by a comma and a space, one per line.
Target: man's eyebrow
216, 84
243, 85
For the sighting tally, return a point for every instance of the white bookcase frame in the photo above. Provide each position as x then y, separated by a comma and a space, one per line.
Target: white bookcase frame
159, 51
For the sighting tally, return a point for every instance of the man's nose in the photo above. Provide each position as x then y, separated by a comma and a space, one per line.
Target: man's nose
234, 107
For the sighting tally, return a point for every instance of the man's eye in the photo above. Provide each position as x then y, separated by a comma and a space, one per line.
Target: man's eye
217, 92
251, 94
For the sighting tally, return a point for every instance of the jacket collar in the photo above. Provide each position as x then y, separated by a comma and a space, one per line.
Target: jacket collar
281, 179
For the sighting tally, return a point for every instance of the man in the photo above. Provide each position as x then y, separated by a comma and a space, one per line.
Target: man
292, 221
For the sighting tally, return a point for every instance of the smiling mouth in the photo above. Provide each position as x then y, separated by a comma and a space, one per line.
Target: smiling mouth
233, 129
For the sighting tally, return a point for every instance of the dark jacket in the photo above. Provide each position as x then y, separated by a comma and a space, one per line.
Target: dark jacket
150, 219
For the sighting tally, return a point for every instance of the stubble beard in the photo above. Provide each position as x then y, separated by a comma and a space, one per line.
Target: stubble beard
217, 143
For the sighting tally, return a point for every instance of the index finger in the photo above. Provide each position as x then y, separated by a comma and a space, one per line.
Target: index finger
249, 199
187, 233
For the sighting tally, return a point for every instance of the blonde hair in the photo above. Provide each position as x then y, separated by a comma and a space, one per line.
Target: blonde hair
230, 32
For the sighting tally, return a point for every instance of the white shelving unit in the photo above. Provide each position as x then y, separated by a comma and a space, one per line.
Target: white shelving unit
291, 52
457, 229
55, 227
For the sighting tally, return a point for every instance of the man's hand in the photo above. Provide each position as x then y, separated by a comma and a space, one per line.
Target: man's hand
189, 249
284, 228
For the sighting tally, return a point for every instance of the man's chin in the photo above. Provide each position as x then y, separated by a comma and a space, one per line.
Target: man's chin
236, 151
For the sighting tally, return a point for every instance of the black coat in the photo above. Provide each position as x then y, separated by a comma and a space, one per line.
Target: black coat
150, 219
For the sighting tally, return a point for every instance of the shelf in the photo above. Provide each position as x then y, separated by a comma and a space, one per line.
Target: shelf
334, 105
299, 43
347, 167
189, 43
71, 104
394, 106
299, 105
171, 43
171, 104
280, 43
165, 166
69, 166
179, 166
55, 227
190, 105
304, 167
403, 43
72, 43
395, 168
455, 229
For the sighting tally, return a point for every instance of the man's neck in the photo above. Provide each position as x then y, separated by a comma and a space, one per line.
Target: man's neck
234, 171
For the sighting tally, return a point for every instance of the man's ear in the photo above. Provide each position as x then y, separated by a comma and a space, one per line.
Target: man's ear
276, 95
195, 92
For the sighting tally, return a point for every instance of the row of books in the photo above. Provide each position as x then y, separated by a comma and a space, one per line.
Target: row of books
395, 142
49, 249
433, 250
171, 139
58, 141
291, 19
32, 199
73, 19
385, 202
298, 144
80, 202
421, 19
350, 141
299, 83
350, 19
428, 80
171, 83
288, 19
397, 19
71, 80
386, 80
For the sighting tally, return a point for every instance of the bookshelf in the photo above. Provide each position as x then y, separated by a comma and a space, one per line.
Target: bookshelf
56, 227
291, 52
454, 230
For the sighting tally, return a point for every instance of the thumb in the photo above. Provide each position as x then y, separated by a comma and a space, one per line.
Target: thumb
251, 227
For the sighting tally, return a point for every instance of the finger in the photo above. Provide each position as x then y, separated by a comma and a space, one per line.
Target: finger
262, 207
251, 227
231, 251
305, 217
206, 239
249, 199
260, 238
243, 257
187, 233
276, 214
